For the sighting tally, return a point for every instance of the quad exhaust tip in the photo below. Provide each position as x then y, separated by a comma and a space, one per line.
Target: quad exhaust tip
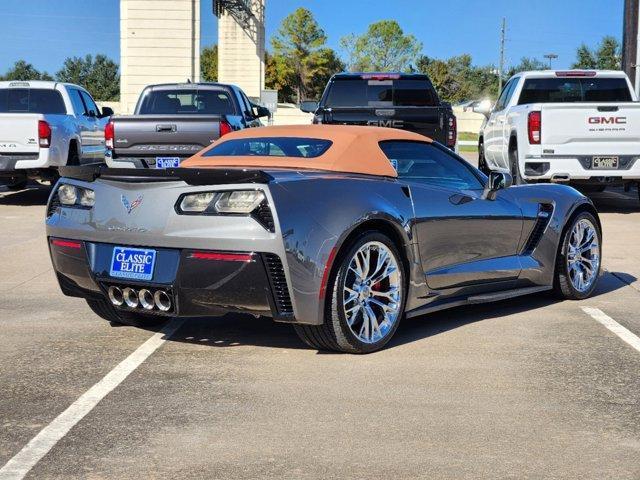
144, 298
162, 301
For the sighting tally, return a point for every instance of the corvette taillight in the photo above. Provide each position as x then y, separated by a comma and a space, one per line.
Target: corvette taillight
534, 127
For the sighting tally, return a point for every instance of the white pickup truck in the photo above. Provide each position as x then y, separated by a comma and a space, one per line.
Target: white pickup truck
579, 127
44, 125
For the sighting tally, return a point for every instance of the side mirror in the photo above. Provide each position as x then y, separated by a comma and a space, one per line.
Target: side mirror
496, 181
107, 111
260, 111
483, 108
309, 106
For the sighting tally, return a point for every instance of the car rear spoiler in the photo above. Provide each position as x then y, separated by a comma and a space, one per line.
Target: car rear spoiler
191, 176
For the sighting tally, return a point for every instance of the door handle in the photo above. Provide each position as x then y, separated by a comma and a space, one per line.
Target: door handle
165, 128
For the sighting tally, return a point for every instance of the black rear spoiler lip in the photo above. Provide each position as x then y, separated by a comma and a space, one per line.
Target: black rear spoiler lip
191, 176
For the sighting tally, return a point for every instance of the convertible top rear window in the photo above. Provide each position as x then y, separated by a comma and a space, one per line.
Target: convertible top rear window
271, 147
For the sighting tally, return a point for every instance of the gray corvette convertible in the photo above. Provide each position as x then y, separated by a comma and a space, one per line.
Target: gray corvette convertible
339, 230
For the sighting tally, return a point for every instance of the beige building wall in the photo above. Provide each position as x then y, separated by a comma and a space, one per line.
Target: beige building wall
159, 43
241, 51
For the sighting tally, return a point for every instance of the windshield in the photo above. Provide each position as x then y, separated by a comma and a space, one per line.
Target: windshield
271, 147
359, 92
31, 100
568, 90
203, 102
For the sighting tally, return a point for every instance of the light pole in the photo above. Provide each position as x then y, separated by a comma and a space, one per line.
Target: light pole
550, 57
638, 58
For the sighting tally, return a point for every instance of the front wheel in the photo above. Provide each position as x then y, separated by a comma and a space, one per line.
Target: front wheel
367, 297
578, 259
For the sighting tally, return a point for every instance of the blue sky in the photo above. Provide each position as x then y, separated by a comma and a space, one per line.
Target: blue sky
45, 32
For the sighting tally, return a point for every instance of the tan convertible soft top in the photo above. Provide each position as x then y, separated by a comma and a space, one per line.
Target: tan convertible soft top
355, 149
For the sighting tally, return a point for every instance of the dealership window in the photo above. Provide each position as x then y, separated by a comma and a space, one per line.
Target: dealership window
426, 163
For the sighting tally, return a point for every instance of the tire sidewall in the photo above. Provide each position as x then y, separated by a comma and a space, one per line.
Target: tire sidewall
563, 268
336, 311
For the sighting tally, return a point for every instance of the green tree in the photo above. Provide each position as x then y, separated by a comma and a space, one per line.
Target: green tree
209, 63
98, 75
607, 56
22, 70
280, 76
527, 64
585, 58
383, 47
456, 79
300, 58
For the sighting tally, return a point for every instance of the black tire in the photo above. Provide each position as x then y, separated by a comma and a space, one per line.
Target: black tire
515, 168
563, 287
482, 161
109, 313
17, 185
334, 334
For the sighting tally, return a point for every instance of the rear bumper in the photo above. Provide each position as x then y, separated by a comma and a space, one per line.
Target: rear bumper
253, 282
578, 169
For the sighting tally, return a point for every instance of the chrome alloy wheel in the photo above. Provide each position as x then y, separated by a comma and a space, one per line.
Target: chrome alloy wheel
583, 255
372, 292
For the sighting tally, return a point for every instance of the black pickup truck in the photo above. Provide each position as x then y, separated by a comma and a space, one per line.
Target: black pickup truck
171, 122
397, 100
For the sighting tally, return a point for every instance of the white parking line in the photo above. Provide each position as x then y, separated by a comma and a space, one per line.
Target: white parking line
25, 459
601, 317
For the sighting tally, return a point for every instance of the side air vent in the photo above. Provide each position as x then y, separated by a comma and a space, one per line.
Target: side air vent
264, 216
278, 283
545, 211
54, 204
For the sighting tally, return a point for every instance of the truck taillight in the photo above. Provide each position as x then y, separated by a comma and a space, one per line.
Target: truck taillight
534, 127
225, 127
44, 134
452, 132
109, 135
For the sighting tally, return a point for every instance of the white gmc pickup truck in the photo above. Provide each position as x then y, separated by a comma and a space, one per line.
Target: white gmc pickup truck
579, 127
44, 125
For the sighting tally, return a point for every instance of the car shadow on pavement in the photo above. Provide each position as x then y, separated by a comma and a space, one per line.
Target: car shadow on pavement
616, 200
233, 330
34, 194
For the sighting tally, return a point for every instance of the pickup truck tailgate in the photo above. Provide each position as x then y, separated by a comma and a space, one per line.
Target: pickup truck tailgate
163, 135
569, 123
19, 133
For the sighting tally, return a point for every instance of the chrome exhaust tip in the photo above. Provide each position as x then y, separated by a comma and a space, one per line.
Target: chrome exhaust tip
130, 297
146, 299
116, 297
162, 300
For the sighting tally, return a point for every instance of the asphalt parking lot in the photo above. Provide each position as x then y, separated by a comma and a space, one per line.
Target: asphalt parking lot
526, 388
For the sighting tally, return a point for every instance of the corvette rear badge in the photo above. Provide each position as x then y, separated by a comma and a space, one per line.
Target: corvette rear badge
130, 206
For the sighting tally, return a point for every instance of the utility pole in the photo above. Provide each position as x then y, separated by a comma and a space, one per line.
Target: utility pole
501, 69
631, 40
638, 56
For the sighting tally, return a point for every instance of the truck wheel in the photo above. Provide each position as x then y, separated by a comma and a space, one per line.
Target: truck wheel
105, 311
578, 258
515, 168
482, 161
367, 297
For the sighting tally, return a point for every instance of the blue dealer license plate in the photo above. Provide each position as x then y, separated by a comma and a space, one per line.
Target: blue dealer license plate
133, 263
167, 162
